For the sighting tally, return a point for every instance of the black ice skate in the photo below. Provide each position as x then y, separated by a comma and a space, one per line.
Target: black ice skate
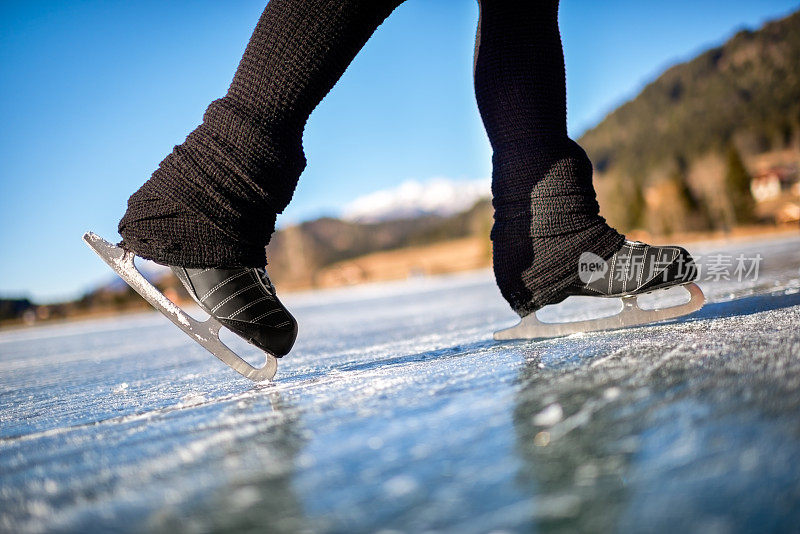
246, 304
244, 300
635, 269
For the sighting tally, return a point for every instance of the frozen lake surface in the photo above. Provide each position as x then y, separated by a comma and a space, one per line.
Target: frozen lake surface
398, 411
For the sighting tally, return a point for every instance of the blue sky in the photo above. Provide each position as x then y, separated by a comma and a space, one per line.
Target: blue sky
93, 94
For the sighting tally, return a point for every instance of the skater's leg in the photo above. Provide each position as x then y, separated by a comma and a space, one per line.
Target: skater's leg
213, 200
546, 213
209, 210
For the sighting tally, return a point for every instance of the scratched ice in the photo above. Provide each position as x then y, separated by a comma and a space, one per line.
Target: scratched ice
397, 411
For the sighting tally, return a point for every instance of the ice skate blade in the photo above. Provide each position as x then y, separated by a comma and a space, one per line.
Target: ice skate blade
631, 315
206, 333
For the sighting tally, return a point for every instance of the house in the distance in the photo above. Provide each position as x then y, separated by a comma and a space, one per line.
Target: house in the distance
774, 182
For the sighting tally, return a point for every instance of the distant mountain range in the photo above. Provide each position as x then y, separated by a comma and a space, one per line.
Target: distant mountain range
297, 253
746, 91
672, 152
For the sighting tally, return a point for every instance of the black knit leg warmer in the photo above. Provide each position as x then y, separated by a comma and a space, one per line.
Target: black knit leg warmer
546, 212
213, 200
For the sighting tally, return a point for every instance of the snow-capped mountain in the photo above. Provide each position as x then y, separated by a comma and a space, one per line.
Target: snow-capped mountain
437, 196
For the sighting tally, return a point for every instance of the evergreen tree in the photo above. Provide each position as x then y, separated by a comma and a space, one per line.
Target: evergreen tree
625, 207
697, 211
737, 188
636, 206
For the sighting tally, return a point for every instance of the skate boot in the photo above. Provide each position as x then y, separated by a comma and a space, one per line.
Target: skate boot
635, 269
243, 300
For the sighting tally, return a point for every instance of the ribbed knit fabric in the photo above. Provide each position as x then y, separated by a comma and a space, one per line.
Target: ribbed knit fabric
213, 201
546, 212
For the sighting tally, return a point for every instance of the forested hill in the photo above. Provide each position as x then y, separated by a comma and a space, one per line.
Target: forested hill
743, 94
747, 90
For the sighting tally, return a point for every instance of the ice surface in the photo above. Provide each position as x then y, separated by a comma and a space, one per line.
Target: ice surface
398, 411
